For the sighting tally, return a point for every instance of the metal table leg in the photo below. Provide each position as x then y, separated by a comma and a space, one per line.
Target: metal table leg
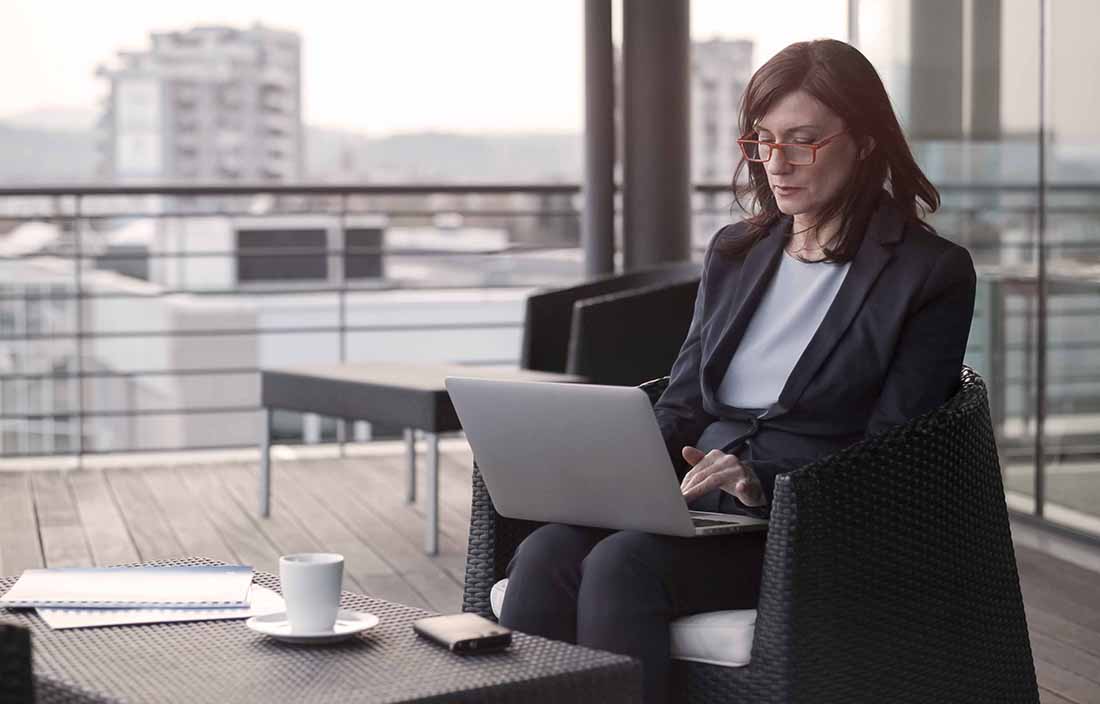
410, 452
431, 536
265, 463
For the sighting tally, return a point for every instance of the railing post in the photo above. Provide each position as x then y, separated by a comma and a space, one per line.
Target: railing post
995, 356
341, 272
78, 262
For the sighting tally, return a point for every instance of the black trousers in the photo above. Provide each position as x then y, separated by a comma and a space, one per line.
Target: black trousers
618, 591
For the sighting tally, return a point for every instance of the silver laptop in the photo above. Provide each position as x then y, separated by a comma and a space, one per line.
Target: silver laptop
579, 454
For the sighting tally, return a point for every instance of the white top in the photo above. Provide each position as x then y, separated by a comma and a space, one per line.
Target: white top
789, 314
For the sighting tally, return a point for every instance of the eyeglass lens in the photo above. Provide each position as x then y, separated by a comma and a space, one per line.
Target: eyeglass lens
794, 154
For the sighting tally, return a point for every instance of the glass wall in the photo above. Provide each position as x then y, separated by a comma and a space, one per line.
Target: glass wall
1071, 244
999, 98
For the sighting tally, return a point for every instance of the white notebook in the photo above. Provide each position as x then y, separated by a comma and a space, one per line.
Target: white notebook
263, 601
211, 586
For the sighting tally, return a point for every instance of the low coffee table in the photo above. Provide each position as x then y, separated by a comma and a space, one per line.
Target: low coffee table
411, 396
223, 661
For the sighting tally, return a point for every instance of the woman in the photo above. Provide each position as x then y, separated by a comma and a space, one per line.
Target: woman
831, 313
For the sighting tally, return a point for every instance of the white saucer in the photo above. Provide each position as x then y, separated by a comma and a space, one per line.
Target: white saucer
348, 623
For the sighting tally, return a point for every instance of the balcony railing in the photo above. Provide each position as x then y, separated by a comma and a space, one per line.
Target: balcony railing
136, 318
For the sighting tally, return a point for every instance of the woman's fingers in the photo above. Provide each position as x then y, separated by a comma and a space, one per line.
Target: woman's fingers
704, 464
705, 474
699, 461
692, 455
714, 480
712, 462
716, 469
750, 491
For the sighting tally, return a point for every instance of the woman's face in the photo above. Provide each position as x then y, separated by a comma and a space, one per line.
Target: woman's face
802, 190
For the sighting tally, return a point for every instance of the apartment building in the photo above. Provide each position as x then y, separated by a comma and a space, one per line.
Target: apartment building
210, 103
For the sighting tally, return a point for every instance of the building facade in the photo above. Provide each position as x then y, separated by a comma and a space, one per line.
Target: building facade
210, 103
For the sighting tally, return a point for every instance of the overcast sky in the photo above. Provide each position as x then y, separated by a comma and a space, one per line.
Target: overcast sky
379, 66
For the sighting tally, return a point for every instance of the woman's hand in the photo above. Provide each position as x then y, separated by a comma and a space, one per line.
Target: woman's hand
717, 470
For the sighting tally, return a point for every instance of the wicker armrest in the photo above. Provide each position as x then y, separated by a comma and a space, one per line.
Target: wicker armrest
493, 541
894, 557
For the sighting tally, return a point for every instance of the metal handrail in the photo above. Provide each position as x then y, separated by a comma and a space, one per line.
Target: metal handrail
282, 188
73, 200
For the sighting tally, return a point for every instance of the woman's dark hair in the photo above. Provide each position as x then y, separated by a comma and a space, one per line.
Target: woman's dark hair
842, 79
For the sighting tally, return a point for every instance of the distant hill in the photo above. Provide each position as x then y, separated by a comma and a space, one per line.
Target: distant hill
45, 147
36, 155
442, 157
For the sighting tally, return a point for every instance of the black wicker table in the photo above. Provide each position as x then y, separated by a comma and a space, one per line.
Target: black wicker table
223, 661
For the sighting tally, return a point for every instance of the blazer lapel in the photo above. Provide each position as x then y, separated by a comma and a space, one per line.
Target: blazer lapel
756, 272
876, 250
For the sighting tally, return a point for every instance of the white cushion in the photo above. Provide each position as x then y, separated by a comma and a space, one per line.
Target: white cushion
496, 596
714, 637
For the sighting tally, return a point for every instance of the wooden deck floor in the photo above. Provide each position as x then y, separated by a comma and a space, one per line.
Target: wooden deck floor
355, 506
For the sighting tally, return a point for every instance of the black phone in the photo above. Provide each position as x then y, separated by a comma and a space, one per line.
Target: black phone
464, 633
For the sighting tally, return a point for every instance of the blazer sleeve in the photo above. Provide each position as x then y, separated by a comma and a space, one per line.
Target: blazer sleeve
927, 361
679, 410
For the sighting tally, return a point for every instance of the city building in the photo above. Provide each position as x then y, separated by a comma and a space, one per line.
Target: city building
209, 103
720, 71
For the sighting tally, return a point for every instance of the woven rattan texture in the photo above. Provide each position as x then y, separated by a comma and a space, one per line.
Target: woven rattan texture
889, 574
222, 661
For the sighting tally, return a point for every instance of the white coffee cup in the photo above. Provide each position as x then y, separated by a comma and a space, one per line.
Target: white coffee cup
311, 588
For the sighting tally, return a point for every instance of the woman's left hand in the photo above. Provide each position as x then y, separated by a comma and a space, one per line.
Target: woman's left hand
718, 470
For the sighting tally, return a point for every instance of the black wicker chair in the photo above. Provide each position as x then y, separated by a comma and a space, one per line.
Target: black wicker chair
889, 574
548, 321
16, 683
627, 337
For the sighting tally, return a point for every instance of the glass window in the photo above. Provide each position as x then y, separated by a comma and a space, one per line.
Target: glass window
1071, 429
964, 79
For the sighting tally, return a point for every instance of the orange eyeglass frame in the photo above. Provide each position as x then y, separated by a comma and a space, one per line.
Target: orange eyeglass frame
813, 147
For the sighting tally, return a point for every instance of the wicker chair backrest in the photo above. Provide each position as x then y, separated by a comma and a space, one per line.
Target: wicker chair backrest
894, 555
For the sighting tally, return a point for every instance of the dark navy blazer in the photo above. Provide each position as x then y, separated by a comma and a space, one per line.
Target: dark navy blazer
890, 348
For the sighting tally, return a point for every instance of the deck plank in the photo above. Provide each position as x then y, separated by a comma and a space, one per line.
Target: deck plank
282, 528
1084, 665
375, 576
384, 483
1048, 697
20, 548
1075, 585
1061, 629
60, 529
1066, 684
149, 528
329, 481
184, 513
108, 537
237, 528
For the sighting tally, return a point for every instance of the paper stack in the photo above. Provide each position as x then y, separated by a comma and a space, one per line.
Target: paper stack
104, 596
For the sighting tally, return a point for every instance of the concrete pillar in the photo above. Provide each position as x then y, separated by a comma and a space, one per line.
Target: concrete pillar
984, 69
598, 216
936, 78
657, 133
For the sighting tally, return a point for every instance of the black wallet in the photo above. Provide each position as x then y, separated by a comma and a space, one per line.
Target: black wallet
464, 633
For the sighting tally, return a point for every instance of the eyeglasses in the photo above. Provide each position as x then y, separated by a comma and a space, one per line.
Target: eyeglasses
796, 154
